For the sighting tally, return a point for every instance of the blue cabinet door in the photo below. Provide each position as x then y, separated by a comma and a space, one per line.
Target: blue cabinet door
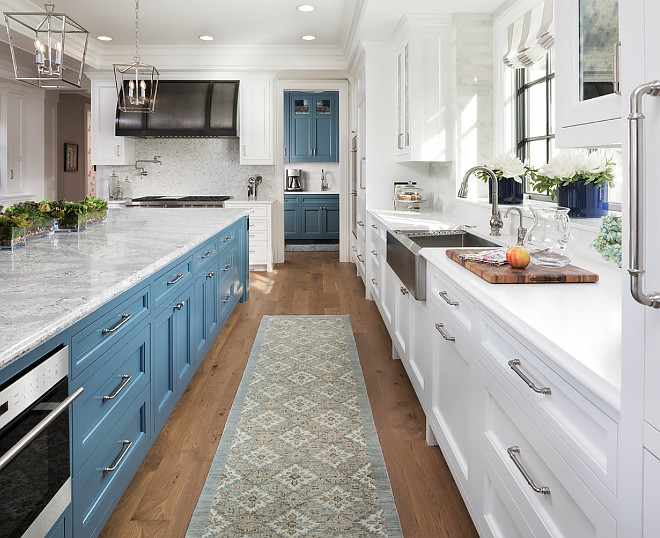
183, 357
292, 217
162, 373
205, 311
326, 124
311, 127
301, 117
331, 222
312, 223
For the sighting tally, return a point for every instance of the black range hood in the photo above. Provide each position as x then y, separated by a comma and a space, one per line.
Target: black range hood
185, 109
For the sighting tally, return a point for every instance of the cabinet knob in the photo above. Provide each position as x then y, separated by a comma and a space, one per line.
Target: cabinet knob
210, 275
117, 151
179, 306
404, 291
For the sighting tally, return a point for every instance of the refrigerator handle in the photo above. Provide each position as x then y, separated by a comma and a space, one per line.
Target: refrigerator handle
637, 191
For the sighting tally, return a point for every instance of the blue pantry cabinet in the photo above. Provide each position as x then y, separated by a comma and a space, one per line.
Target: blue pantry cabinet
311, 127
134, 374
311, 216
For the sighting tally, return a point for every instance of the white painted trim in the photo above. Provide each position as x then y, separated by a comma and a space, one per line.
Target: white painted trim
344, 151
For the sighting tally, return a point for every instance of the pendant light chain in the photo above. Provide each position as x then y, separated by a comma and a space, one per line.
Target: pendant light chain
137, 19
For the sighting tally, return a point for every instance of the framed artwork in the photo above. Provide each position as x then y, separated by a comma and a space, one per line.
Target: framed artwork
70, 157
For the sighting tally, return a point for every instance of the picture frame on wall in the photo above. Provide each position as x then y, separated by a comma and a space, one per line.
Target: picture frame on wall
70, 157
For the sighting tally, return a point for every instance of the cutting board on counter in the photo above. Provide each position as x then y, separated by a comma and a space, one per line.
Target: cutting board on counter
532, 274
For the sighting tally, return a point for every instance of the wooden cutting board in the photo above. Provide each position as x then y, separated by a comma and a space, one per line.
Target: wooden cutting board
532, 274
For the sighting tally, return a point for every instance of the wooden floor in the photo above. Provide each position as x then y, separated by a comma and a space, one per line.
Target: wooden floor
162, 496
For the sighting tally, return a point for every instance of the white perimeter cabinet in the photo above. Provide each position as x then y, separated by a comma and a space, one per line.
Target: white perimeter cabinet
256, 121
531, 454
106, 147
260, 235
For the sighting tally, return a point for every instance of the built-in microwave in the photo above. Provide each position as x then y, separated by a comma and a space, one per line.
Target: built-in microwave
35, 477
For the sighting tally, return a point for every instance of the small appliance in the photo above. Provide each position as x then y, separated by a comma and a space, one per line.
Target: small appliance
293, 179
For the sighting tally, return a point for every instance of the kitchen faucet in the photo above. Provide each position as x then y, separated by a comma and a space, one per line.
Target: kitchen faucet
522, 231
143, 172
496, 223
324, 184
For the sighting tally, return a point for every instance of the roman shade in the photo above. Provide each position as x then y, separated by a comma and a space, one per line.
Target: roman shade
531, 36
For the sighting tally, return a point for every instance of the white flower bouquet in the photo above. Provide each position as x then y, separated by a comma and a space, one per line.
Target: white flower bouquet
567, 168
507, 166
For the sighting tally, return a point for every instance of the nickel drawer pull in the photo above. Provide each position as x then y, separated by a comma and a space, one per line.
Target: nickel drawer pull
179, 306
360, 223
354, 248
227, 267
210, 275
208, 253
514, 364
34, 432
228, 238
374, 253
360, 257
374, 226
403, 291
373, 280
124, 319
440, 329
449, 301
227, 298
178, 277
127, 446
126, 381
513, 453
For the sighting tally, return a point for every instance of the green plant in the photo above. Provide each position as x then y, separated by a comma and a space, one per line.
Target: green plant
572, 167
608, 241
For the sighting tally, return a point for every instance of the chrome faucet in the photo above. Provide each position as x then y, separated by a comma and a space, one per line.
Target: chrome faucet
324, 184
143, 172
496, 223
522, 231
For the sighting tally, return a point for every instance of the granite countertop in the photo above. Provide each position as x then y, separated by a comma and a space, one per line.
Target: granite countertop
578, 326
56, 281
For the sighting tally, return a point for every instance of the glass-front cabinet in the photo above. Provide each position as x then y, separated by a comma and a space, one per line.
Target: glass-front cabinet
311, 127
587, 56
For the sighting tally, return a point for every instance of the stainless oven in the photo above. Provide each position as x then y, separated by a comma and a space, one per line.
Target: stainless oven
354, 185
35, 478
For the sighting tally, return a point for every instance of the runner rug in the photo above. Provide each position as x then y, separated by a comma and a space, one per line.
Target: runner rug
299, 455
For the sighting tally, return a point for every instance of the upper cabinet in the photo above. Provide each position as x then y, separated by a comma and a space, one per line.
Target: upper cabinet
256, 121
311, 127
424, 83
106, 147
587, 58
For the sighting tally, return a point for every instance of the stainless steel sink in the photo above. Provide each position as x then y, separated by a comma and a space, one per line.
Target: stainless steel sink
403, 253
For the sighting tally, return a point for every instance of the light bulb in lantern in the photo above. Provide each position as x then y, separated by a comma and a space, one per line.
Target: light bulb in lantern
58, 54
131, 87
38, 52
143, 89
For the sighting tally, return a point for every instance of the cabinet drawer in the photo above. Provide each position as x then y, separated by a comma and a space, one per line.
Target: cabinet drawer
226, 292
204, 254
325, 200
258, 211
91, 342
227, 263
170, 282
258, 236
258, 251
568, 507
99, 484
582, 427
109, 392
445, 294
258, 224
228, 237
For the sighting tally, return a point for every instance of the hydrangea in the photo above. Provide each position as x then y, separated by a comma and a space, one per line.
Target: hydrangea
608, 241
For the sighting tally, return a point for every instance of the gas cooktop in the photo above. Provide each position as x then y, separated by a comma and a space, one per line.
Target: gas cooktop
179, 201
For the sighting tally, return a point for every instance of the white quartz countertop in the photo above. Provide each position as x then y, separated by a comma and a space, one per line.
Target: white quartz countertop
578, 326
56, 281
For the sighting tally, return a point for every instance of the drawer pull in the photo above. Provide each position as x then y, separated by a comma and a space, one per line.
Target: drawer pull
513, 452
127, 446
374, 253
124, 320
126, 380
228, 238
227, 267
207, 254
179, 306
210, 275
404, 291
354, 248
440, 329
449, 301
360, 223
514, 364
374, 226
227, 298
360, 257
178, 277
373, 281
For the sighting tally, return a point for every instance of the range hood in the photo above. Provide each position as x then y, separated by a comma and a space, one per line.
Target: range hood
185, 109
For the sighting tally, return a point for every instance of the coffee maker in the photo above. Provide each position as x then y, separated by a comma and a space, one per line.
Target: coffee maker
293, 180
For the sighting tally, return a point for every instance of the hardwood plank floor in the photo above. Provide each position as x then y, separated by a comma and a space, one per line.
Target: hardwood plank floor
162, 496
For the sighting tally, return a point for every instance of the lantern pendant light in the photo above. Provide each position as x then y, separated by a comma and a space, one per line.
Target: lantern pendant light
51, 32
137, 82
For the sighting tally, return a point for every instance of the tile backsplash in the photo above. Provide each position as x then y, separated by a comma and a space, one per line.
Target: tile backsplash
202, 166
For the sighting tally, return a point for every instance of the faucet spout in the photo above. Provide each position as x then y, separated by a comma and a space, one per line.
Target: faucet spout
496, 223
522, 231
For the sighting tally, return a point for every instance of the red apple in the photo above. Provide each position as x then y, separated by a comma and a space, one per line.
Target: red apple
517, 257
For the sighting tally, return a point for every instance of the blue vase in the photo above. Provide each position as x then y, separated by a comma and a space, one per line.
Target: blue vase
509, 191
585, 200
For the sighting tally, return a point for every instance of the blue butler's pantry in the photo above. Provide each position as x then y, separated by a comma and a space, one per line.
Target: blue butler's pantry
253, 176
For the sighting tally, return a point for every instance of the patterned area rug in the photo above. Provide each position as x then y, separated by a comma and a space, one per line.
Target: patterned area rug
299, 455
318, 247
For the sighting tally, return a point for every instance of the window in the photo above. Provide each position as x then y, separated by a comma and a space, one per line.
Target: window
535, 113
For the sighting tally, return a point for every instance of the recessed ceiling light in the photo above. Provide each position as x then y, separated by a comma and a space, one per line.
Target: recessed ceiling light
103, 38
206, 37
306, 8
308, 37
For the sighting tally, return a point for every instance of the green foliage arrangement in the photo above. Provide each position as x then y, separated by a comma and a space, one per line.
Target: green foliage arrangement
608, 241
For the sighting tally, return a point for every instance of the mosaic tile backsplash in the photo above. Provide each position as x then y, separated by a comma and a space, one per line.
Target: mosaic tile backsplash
202, 166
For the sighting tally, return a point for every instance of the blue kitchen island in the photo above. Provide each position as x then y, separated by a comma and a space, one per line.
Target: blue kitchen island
135, 304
